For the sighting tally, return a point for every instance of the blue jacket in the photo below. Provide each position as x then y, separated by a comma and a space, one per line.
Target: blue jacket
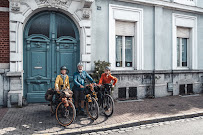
79, 79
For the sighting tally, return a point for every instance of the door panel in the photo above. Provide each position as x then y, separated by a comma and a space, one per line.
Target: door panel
51, 40
38, 78
39, 62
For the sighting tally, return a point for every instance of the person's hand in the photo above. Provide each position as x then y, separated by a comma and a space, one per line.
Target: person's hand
112, 86
81, 86
57, 89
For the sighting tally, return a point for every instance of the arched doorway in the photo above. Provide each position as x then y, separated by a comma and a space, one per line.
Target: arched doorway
51, 39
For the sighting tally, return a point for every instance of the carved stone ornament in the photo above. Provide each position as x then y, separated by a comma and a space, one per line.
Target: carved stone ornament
54, 3
86, 12
15, 5
88, 3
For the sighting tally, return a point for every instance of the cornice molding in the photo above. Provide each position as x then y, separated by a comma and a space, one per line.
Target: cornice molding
165, 4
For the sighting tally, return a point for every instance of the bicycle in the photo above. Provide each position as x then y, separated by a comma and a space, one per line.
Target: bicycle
63, 107
91, 102
105, 99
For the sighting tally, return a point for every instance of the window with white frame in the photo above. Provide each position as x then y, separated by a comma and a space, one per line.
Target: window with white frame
124, 44
184, 42
183, 48
125, 38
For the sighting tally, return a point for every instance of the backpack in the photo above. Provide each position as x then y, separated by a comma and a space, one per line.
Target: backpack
49, 94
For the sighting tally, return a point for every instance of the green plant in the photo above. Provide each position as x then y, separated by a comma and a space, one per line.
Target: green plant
99, 69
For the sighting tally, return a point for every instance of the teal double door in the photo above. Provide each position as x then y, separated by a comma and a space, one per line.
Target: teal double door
51, 40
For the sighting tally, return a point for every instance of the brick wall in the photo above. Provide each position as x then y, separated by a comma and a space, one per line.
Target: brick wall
4, 33
4, 3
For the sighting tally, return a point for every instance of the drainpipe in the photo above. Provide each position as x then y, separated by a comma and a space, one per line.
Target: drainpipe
154, 56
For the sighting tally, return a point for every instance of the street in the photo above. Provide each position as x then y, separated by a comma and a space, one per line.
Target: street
190, 126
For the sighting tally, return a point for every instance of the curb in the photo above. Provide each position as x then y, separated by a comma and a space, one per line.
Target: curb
129, 123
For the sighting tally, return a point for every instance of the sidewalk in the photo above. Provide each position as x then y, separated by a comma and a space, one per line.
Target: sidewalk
36, 118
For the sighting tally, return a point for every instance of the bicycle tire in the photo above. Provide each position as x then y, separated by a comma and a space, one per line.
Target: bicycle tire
89, 108
60, 111
111, 101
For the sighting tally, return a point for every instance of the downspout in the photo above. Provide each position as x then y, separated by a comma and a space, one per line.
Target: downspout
154, 58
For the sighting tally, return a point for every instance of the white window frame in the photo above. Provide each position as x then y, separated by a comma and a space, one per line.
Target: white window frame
128, 14
190, 22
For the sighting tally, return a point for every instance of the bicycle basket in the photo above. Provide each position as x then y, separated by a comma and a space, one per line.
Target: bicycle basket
49, 94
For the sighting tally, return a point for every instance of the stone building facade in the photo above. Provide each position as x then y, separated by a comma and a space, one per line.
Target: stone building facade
154, 46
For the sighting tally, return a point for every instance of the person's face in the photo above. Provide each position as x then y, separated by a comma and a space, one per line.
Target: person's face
63, 72
107, 71
80, 68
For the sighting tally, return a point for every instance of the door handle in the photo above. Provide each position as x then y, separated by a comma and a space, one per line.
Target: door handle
37, 67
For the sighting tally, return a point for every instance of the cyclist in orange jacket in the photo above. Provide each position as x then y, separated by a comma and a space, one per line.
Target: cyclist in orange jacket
106, 77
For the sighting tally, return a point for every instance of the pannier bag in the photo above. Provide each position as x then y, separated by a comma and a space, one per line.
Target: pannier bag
49, 94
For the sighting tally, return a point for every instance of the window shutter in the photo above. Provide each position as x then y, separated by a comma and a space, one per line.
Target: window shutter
183, 32
125, 28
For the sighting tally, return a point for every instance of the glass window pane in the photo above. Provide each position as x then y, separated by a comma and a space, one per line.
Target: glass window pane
128, 51
118, 51
64, 27
178, 52
184, 52
40, 26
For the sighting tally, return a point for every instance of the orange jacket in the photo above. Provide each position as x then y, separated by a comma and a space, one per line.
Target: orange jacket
107, 79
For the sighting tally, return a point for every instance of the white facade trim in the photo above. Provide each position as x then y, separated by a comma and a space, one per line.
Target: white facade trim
165, 4
180, 20
122, 13
186, 2
4, 9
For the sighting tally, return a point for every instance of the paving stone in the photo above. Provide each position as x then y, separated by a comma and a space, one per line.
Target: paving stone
108, 131
104, 133
143, 127
114, 130
128, 130
93, 133
100, 132
149, 126
121, 131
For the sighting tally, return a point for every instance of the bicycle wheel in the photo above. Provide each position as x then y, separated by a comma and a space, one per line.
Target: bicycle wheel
65, 115
108, 105
92, 109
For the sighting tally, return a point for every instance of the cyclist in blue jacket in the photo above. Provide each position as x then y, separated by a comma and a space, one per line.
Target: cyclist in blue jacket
79, 84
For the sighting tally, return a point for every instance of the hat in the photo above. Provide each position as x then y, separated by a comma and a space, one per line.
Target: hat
63, 68
108, 68
80, 64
